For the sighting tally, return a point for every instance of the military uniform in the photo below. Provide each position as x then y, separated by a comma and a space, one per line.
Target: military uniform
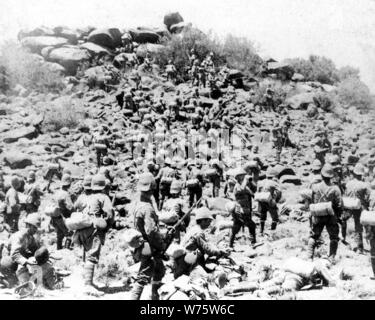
242, 212
195, 242
322, 192
263, 207
165, 177
152, 266
176, 205
65, 205
277, 139
361, 190
13, 209
33, 197
101, 139
22, 247
195, 192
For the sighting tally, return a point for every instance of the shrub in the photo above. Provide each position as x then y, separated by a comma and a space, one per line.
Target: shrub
26, 69
236, 52
240, 53
64, 112
325, 101
316, 68
348, 72
353, 92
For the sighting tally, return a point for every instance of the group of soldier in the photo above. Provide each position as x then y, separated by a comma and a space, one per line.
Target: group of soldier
161, 185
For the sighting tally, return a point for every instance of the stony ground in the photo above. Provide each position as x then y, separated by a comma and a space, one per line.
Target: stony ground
22, 149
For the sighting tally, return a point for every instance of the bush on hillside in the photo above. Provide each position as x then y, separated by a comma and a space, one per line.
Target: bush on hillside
64, 112
236, 52
240, 53
348, 72
325, 101
24, 68
316, 68
353, 92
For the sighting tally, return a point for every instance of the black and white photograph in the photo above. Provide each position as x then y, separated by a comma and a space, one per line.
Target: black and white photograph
205, 151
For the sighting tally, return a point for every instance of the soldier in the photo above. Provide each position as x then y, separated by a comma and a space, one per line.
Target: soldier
13, 206
269, 185
54, 168
99, 208
268, 100
101, 144
337, 148
370, 230
146, 222
315, 176
356, 188
252, 169
216, 177
196, 245
65, 204
175, 204
325, 192
241, 210
165, 176
23, 246
81, 203
33, 194
194, 183
322, 146
278, 141
171, 71
2, 187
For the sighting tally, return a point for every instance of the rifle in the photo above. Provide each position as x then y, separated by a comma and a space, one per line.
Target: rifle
178, 223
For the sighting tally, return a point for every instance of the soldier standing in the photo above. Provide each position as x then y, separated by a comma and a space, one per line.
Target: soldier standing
241, 211
65, 204
146, 222
356, 188
325, 192
13, 206
269, 185
99, 208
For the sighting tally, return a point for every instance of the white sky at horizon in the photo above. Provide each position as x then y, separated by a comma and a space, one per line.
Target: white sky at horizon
343, 30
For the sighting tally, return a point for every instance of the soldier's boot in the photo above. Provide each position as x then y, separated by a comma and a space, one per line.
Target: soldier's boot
273, 225
59, 243
310, 249
136, 292
262, 224
253, 238
333, 245
252, 231
154, 290
343, 231
373, 267
359, 241
231, 240
88, 276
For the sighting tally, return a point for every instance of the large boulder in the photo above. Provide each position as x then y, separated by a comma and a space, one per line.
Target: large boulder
300, 101
95, 49
17, 160
55, 67
36, 44
69, 57
41, 31
110, 38
15, 135
172, 18
69, 34
144, 36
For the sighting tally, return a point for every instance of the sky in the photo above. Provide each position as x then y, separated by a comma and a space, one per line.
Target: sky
343, 30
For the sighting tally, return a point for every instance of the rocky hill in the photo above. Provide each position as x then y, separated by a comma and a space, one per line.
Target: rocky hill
33, 123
